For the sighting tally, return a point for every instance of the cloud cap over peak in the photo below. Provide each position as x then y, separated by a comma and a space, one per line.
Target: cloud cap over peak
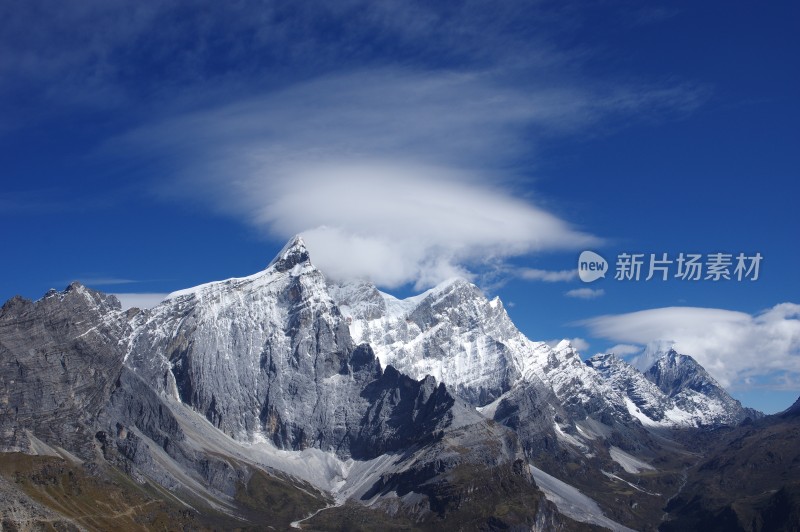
738, 349
409, 172
399, 225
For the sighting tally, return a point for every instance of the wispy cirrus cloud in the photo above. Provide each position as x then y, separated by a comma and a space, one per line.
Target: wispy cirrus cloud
548, 276
394, 175
737, 348
104, 53
585, 293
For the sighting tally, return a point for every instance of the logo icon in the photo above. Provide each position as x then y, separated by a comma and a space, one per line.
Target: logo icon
591, 266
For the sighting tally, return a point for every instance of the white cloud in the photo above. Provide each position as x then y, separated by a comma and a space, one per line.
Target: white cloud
579, 344
585, 293
549, 276
396, 175
732, 346
141, 300
372, 169
651, 353
625, 349
396, 225
262, 117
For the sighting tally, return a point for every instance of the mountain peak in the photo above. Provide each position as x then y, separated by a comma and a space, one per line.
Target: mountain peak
672, 359
673, 372
451, 286
293, 253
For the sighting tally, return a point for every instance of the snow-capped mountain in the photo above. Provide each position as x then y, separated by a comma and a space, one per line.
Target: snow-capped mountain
249, 376
644, 400
467, 341
428, 407
675, 392
270, 357
450, 332
690, 386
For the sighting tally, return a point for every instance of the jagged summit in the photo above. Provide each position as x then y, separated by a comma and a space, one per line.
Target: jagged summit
293, 253
644, 400
458, 335
78, 293
673, 372
293, 260
674, 391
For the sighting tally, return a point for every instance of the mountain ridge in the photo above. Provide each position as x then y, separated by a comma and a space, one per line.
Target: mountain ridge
382, 402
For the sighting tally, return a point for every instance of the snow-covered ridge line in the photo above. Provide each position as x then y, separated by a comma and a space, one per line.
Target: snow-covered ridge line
675, 392
462, 338
451, 332
456, 334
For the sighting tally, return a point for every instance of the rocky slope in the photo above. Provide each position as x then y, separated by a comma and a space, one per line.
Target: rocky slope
748, 480
59, 358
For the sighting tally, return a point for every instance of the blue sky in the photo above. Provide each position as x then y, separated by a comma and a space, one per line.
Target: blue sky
150, 146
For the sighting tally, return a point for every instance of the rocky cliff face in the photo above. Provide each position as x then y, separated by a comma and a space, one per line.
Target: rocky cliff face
270, 357
59, 359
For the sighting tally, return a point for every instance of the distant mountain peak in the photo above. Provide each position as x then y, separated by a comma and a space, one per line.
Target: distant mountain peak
674, 372
676, 390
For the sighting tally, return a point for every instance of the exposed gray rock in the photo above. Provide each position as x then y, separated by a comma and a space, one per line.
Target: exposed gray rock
271, 356
59, 359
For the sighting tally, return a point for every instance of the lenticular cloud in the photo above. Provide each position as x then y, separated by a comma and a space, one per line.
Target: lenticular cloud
735, 347
396, 225
408, 175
